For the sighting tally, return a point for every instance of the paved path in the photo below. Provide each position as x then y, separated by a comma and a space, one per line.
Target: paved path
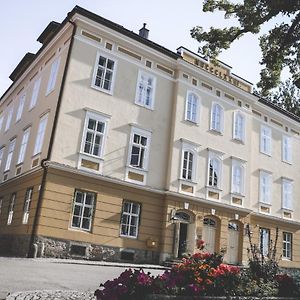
41, 275
51, 295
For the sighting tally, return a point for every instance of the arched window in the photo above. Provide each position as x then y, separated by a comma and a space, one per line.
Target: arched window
187, 165
209, 222
214, 172
192, 108
239, 126
182, 216
217, 117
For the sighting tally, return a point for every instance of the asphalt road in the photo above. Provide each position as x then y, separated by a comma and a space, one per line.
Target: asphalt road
23, 274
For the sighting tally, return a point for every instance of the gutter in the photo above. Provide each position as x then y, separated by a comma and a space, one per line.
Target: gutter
31, 251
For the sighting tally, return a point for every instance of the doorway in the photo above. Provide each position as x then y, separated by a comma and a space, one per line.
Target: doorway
233, 243
209, 234
182, 247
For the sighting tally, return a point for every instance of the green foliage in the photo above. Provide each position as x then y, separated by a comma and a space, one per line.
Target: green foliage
287, 97
280, 46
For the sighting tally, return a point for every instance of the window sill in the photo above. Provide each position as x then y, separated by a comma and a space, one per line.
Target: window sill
80, 230
265, 153
265, 203
137, 169
237, 194
187, 181
144, 106
215, 132
49, 92
91, 156
287, 209
128, 237
214, 188
287, 162
238, 141
192, 123
109, 92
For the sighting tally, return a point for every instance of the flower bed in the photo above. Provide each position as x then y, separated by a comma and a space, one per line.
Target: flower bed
203, 276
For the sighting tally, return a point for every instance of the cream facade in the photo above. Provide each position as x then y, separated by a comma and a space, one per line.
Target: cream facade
144, 152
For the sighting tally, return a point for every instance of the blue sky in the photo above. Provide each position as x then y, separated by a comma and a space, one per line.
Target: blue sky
169, 21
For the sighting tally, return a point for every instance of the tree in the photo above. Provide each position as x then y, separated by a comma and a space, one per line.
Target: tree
280, 46
287, 97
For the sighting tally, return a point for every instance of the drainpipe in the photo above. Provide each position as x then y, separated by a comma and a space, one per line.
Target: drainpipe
33, 247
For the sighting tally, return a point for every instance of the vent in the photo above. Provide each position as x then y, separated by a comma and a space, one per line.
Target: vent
218, 93
130, 53
127, 255
229, 97
108, 46
78, 250
186, 76
207, 86
18, 170
35, 162
276, 122
91, 36
148, 64
256, 113
165, 69
194, 82
295, 132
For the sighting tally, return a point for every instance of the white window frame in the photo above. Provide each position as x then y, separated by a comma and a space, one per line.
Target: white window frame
213, 156
53, 75
10, 109
265, 187
40, 134
114, 70
264, 240
11, 208
217, 124
35, 93
287, 194
20, 107
266, 140
11, 149
1, 120
27, 203
239, 126
287, 149
192, 107
142, 133
23, 147
140, 99
98, 118
287, 245
1, 154
131, 216
83, 206
192, 149
238, 184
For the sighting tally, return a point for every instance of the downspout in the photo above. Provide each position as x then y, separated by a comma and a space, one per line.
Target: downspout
32, 251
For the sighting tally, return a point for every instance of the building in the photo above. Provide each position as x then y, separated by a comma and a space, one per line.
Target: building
113, 147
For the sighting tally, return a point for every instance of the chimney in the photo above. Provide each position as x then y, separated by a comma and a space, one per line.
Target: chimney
144, 32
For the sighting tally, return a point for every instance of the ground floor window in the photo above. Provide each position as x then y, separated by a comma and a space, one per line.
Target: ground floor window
27, 202
264, 241
83, 210
130, 219
287, 245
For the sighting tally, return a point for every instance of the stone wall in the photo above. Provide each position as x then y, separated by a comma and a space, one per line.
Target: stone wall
166, 297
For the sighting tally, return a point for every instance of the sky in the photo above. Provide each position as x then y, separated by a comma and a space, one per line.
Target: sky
169, 22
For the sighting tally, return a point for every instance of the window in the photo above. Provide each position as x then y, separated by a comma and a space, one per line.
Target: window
264, 241
265, 187
20, 107
23, 147
238, 177
265, 140
192, 107
104, 73
214, 171
11, 208
9, 116
1, 155
93, 136
287, 242
26, 207
287, 194
145, 90
35, 93
217, 117
40, 135
187, 165
11, 149
83, 210
139, 148
1, 120
53, 76
130, 219
286, 149
239, 126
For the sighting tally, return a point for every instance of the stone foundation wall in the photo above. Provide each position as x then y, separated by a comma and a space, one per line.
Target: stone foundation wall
51, 247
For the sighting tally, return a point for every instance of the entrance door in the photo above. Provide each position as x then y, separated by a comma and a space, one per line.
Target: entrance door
209, 234
233, 243
182, 239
